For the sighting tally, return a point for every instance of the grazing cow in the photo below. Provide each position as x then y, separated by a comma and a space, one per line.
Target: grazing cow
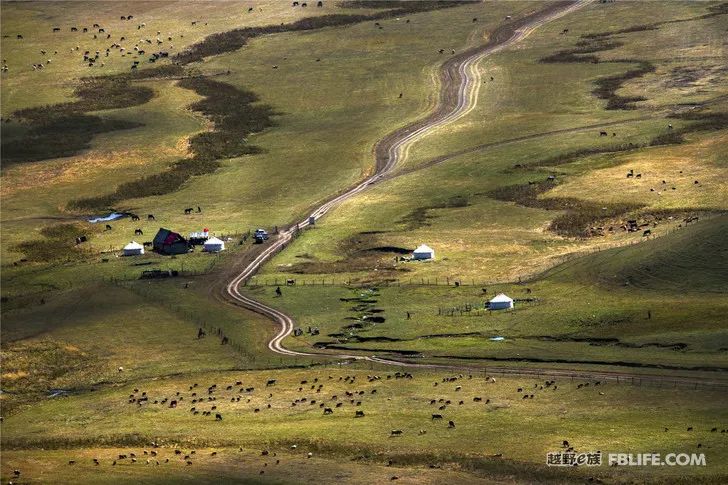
646, 233
108, 227
358, 414
19, 36
603, 133
56, 29
328, 411
188, 210
451, 424
396, 432
134, 217
320, 4
218, 417
74, 29
436, 416
271, 382
150, 217
250, 9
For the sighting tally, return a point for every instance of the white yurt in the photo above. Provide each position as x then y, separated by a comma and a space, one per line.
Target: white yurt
213, 245
133, 249
423, 252
500, 301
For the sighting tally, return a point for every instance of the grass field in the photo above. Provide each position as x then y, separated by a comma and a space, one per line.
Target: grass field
590, 418
592, 309
280, 124
448, 206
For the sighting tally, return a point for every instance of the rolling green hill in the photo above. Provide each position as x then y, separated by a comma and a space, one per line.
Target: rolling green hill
690, 260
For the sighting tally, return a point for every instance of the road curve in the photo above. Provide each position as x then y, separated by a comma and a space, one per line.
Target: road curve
460, 83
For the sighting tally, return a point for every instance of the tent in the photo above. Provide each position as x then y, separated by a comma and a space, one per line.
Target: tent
133, 249
423, 252
168, 242
500, 302
213, 245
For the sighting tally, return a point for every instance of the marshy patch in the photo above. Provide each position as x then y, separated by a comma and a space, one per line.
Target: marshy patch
32, 368
59, 242
579, 215
391, 249
421, 216
65, 129
235, 114
606, 87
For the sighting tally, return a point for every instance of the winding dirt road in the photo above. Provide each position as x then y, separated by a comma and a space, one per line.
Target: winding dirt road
459, 85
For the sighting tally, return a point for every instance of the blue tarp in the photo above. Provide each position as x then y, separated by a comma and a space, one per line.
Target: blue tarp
111, 217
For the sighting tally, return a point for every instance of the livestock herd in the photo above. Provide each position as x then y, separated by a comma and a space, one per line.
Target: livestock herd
96, 57
250, 401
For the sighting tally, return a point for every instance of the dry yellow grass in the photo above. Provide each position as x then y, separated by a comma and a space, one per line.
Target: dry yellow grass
679, 166
14, 376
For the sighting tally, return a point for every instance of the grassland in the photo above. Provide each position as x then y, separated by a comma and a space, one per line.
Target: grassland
590, 418
489, 240
73, 315
658, 305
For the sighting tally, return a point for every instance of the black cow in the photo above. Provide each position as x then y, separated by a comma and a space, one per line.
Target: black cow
108, 227
188, 210
138, 232
56, 29
150, 217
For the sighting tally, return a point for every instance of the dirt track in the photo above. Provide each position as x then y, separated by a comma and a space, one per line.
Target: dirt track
459, 84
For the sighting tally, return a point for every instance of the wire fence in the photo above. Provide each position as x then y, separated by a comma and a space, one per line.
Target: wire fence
583, 378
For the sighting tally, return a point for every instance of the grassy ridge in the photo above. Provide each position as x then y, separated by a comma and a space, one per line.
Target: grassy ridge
692, 260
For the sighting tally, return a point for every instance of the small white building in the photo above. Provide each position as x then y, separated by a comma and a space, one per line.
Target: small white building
133, 249
213, 245
423, 252
500, 301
